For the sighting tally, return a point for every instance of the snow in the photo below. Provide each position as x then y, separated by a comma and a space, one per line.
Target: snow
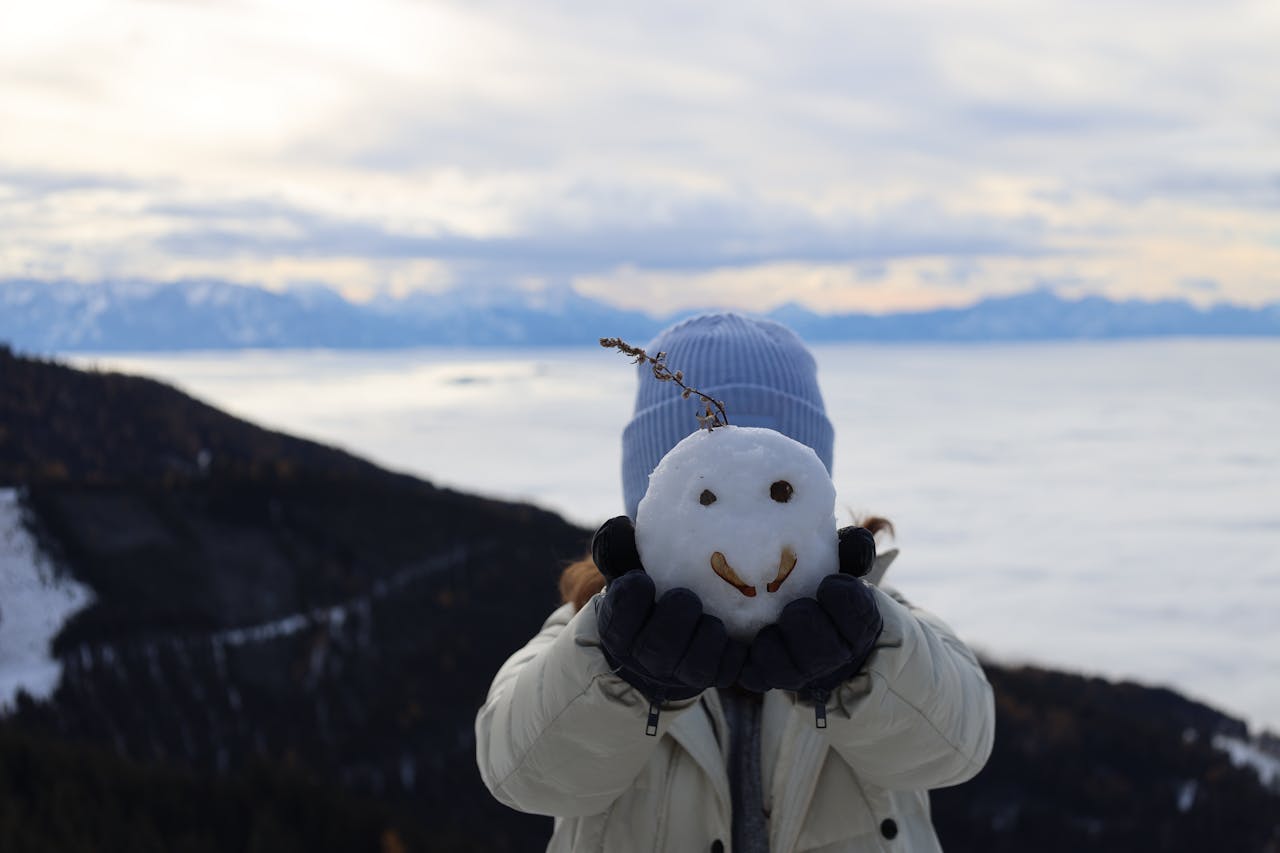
744, 517
1249, 753
334, 616
35, 602
1187, 795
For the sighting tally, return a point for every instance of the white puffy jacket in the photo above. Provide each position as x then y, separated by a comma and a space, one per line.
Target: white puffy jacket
561, 735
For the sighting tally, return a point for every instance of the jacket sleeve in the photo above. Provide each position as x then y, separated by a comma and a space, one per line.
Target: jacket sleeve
922, 715
560, 734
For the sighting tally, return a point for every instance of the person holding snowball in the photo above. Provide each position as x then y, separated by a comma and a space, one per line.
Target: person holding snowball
644, 716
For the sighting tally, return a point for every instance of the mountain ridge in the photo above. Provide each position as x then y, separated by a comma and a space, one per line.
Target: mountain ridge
60, 316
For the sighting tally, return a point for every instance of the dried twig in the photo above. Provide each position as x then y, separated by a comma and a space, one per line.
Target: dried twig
714, 414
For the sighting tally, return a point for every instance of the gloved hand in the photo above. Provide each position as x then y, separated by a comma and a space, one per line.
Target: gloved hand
667, 649
819, 643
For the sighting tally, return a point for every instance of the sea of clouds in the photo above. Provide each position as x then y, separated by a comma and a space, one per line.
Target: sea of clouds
1109, 507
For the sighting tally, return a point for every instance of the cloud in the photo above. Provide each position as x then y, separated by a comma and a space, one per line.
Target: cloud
1009, 120
1231, 188
429, 141
37, 183
683, 233
1202, 285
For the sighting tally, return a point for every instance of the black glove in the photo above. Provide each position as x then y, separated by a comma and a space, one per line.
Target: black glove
819, 643
857, 550
667, 649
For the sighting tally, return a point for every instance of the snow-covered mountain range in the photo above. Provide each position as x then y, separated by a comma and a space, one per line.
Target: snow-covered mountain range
50, 317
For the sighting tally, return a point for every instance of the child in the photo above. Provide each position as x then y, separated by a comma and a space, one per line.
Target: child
824, 733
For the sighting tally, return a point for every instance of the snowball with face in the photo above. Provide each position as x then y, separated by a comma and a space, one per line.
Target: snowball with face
744, 517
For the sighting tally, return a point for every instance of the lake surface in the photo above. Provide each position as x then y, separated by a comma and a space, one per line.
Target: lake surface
1108, 507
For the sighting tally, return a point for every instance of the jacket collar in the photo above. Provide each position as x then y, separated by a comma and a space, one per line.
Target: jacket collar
880, 566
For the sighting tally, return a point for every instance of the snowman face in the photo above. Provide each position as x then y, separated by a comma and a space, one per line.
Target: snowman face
742, 516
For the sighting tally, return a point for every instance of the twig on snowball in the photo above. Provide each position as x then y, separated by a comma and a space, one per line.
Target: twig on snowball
714, 415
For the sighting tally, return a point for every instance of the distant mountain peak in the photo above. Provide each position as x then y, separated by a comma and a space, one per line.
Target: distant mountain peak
122, 315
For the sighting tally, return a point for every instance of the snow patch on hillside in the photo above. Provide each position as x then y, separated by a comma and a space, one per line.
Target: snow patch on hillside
1252, 753
35, 602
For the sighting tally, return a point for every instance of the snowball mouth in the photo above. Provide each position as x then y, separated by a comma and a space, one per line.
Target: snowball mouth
720, 565
786, 563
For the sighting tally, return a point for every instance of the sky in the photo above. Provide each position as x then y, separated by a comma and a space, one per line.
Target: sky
849, 156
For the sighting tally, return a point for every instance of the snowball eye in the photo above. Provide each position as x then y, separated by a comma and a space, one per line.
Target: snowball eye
707, 498
781, 491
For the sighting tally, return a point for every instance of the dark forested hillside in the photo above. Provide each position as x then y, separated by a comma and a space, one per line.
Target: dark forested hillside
1088, 764
287, 646
285, 605
59, 424
61, 796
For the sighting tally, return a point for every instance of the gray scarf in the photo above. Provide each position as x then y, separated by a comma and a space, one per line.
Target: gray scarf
746, 782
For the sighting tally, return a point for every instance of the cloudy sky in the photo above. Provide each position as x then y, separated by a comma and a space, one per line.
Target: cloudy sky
850, 156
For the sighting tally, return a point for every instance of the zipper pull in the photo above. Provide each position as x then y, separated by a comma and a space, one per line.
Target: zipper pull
651, 725
820, 708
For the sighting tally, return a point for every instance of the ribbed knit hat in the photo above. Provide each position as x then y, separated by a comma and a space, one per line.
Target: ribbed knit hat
762, 372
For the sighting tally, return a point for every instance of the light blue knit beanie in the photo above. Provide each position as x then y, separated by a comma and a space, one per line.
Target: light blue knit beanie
760, 369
